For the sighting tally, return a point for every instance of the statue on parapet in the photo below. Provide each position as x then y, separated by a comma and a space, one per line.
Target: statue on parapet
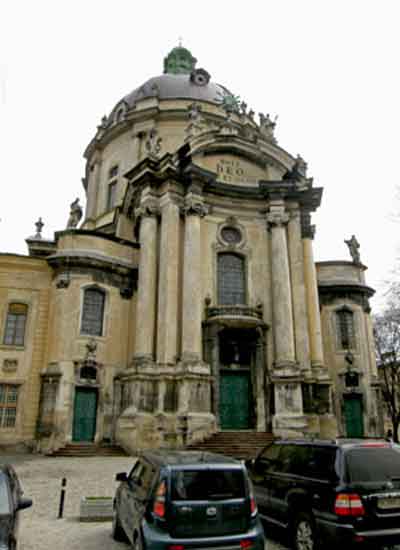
298, 170
354, 246
267, 125
75, 214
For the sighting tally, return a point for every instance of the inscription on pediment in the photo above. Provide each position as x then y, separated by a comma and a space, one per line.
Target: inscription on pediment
233, 169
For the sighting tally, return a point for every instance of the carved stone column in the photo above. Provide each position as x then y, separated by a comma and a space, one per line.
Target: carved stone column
298, 291
310, 276
146, 296
192, 304
277, 219
167, 330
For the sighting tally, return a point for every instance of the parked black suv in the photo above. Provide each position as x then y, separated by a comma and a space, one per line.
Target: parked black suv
187, 500
342, 492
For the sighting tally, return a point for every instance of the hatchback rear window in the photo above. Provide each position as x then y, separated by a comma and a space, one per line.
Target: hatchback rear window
207, 484
372, 464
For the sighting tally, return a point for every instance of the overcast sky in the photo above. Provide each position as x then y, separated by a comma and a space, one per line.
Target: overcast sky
328, 68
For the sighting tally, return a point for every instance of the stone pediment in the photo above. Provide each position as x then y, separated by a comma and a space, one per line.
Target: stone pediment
232, 169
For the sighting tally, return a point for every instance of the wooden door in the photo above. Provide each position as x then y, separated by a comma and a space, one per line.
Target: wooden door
85, 412
354, 416
234, 409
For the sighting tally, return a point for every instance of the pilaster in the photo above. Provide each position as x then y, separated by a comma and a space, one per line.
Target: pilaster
298, 291
311, 286
194, 209
277, 220
146, 297
167, 329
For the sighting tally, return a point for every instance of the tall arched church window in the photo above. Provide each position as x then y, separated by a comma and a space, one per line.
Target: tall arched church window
93, 312
231, 279
14, 334
345, 328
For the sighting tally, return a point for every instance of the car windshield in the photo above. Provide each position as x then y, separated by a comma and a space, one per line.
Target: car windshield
372, 464
4, 495
207, 484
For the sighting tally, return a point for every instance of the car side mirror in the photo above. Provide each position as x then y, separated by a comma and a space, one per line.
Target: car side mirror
24, 503
121, 477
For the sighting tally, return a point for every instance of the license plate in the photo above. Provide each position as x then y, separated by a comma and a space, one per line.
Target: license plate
388, 503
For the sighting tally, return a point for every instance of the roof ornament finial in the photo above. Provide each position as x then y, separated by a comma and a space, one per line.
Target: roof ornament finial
180, 41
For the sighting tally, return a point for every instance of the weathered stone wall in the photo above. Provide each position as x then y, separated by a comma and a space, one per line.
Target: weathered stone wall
24, 280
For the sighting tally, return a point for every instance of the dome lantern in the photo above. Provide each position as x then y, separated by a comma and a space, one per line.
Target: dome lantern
179, 61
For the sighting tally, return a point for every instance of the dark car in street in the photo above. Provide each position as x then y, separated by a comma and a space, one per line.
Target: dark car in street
11, 502
344, 492
186, 500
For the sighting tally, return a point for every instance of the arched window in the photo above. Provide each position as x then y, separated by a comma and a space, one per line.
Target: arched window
345, 328
231, 279
14, 334
93, 311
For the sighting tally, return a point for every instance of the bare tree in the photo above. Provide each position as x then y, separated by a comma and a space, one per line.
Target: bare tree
387, 344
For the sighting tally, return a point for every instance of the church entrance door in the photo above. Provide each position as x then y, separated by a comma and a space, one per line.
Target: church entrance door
85, 412
234, 404
354, 416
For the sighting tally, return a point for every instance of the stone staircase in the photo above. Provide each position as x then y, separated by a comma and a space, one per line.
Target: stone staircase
84, 450
243, 444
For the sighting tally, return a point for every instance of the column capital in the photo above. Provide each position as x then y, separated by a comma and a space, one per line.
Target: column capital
307, 229
194, 206
147, 208
277, 218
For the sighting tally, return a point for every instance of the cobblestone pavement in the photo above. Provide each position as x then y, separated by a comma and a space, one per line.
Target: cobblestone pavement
41, 481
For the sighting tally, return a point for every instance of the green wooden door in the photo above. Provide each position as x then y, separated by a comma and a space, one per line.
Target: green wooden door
354, 416
85, 409
234, 401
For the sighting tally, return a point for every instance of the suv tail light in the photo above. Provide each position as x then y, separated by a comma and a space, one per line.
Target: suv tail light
349, 504
159, 501
246, 544
253, 505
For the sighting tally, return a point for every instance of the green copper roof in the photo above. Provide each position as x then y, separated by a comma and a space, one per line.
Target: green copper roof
179, 61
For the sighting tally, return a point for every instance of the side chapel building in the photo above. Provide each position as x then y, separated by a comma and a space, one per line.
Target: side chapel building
188, 300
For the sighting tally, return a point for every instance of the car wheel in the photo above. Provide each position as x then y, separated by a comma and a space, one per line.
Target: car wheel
303, 532
118, 532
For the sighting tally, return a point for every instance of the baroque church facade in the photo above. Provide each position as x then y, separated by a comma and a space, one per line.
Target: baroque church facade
186, 300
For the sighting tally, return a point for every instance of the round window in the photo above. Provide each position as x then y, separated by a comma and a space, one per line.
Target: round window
231, 235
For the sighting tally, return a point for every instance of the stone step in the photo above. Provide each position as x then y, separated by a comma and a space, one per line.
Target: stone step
240, 444
88, 450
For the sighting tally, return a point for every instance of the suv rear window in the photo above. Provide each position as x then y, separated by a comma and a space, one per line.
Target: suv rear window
372, 464
207, 484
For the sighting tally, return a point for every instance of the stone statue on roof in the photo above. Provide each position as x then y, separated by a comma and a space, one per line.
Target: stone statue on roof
75, 214
354, 246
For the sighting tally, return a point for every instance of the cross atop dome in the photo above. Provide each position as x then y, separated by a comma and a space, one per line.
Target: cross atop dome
179, 61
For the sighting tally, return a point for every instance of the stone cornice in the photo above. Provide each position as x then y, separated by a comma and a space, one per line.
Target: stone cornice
84, 258
357, 293
97, 234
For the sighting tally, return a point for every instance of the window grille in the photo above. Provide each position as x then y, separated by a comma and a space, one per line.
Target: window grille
14, 333
93, 312
231, 283
8, 405
345, 328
